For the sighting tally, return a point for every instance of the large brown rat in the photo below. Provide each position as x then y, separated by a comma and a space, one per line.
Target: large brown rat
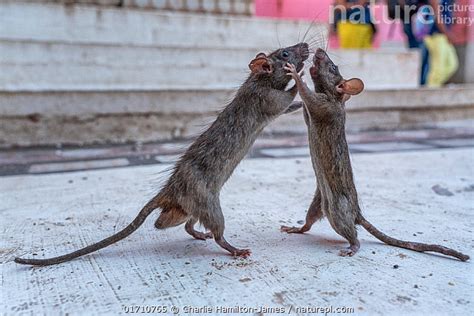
191, 194
336, 195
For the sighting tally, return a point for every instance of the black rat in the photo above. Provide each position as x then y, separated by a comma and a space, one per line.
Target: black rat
191, 194
336, 195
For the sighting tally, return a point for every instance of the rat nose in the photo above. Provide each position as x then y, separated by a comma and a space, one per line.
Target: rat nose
304, 50
320, 54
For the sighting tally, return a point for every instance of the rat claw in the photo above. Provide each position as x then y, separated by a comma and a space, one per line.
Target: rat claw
289, 66
291, 230
242, 253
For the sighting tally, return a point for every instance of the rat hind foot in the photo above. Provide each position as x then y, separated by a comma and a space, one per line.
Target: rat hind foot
349, 252
314, 214
294, 230
244, 253
235, 252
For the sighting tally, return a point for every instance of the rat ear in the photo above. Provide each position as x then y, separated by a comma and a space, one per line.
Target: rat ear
352, 86
261, 64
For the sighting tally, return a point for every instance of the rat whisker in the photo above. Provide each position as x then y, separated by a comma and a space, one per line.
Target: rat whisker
299, 33
277, 34
317, 35
327, 42
311, 24
316, 40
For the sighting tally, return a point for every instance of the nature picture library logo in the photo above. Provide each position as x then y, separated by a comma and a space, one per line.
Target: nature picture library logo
449, 12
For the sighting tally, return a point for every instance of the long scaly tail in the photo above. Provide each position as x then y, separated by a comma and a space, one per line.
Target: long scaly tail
133, 226
416, 246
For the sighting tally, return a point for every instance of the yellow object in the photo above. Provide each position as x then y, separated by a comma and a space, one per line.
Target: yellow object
354, 36
443, 59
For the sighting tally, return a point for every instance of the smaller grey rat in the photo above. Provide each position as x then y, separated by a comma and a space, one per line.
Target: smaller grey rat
336, 195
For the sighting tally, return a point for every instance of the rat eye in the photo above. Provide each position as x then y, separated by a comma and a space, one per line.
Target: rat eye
334, 67
285, 54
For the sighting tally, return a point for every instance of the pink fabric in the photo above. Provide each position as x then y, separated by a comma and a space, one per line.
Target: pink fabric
319, 10
471, 28
460, 31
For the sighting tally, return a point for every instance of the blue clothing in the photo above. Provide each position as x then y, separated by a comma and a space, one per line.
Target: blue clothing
425, 64
412, 41
446, 14
446, 8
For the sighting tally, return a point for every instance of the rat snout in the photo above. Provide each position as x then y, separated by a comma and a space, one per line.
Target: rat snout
318, 58
302, 53
304, 50
320, 54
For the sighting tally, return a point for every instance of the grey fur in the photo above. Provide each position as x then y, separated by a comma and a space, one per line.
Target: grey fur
191, 194
336, 195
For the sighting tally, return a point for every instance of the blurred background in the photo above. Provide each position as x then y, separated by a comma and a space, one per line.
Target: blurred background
146, 74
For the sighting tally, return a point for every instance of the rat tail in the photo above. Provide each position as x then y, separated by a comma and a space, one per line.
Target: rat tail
133, 226
416, 246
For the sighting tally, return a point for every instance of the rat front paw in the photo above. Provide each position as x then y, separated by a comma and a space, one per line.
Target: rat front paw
291, 69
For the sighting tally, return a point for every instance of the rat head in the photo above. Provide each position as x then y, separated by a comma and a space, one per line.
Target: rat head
270, 68
328, 80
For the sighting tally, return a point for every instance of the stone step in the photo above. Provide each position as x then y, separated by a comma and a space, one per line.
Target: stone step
53, 47
108, 25
71, 103
233, 7
48, 66
87, 117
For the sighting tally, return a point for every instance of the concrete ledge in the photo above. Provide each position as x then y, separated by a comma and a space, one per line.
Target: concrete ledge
201, 101
71, 103
85, 117
446, 97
